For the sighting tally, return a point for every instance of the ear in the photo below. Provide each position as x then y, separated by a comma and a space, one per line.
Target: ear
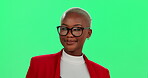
89, 33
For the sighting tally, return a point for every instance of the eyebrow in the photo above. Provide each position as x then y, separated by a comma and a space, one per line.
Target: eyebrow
73, 25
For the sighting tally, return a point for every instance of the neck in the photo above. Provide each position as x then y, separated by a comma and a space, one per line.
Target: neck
74, 53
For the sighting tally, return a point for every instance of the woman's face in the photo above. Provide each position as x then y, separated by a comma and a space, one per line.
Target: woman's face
70, 42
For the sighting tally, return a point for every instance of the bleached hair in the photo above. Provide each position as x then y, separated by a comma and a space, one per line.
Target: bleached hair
79, 11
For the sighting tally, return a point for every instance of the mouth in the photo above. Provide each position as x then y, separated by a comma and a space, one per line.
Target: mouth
70, 42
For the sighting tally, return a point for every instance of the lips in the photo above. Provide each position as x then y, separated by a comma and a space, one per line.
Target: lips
70, 42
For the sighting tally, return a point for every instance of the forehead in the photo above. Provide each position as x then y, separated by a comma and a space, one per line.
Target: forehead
72, 19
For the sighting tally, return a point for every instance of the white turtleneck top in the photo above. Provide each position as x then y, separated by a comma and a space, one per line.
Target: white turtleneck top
73, 66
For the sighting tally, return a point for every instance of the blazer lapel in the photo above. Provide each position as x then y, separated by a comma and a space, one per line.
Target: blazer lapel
90, 68
57, 73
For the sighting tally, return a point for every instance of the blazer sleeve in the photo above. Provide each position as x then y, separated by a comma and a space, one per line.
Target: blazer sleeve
32, 69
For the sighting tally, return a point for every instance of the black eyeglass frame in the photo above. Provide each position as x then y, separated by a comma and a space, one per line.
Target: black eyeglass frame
71, 30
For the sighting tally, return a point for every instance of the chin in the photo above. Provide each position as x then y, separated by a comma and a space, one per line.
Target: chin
70, 48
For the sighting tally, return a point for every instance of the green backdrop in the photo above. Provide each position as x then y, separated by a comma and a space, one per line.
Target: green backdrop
119, 41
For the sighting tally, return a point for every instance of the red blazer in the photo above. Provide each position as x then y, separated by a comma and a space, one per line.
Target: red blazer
48, 66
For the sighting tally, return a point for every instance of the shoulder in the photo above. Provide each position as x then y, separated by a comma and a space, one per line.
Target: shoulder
101, 71
98, 67
45, 58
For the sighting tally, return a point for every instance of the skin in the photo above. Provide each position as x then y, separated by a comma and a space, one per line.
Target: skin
73, 45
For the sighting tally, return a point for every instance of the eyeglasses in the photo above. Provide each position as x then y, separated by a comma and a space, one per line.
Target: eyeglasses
75, 31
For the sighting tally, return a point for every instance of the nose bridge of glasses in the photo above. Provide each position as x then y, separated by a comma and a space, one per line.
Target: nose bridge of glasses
69, 31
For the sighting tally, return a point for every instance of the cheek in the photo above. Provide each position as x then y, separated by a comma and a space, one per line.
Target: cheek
61, 39
81, 39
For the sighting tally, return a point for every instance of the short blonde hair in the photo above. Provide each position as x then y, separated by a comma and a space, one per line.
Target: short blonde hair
79, 11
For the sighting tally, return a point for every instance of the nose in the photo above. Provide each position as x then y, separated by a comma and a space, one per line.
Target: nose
69, 35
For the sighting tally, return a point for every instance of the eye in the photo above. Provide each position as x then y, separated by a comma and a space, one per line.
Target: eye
63, 28
77, 29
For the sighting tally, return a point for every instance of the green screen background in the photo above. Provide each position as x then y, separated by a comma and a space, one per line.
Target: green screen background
119, 40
